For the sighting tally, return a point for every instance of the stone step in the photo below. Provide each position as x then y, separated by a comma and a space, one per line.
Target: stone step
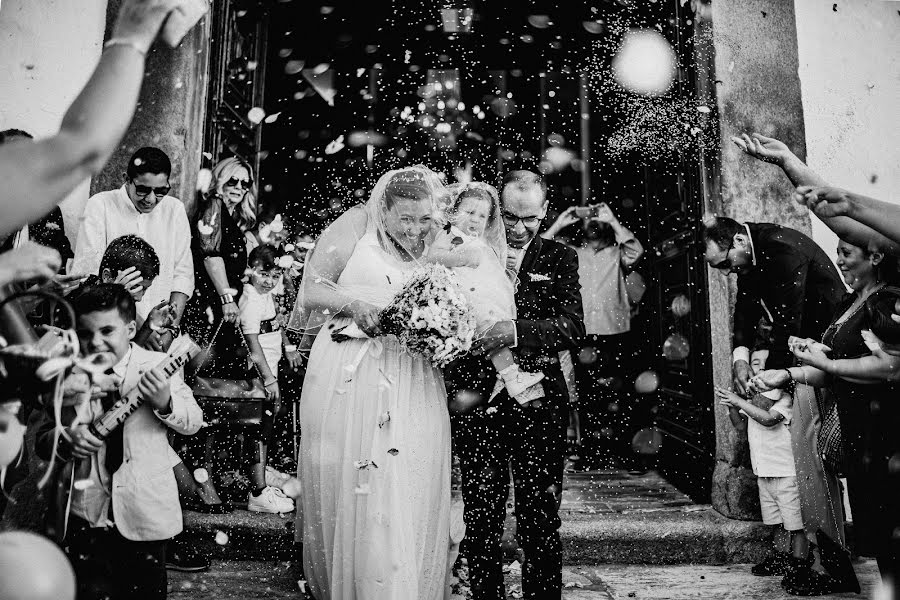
608, 517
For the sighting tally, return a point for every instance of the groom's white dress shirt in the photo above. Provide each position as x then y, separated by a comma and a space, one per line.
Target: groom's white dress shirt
514, 258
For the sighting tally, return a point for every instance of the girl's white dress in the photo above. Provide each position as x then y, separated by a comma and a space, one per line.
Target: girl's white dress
487, 286
381, 531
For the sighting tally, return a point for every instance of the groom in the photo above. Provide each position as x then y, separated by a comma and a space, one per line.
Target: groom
502, 434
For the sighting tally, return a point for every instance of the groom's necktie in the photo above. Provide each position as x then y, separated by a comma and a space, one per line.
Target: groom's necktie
513, 263
115, 440
512, 259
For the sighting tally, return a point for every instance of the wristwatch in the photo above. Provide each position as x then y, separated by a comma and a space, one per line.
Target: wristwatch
175, 330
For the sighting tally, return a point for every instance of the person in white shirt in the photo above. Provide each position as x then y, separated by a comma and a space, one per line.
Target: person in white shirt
773, 464
607, 354
143, 207
125, 510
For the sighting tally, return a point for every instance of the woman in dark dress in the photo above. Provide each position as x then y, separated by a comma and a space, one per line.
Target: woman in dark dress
226, 212
859, 378
218, 244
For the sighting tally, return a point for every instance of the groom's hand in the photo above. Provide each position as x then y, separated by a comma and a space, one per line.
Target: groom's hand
499, 335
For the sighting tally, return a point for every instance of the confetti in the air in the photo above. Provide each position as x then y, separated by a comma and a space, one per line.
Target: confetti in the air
256, 115
335, 145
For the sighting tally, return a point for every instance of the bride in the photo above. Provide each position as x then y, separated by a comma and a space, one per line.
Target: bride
375, 449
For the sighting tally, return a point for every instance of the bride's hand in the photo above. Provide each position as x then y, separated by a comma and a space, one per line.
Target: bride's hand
365, 316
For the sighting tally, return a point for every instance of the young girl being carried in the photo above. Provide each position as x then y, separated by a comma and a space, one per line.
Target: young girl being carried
473, 244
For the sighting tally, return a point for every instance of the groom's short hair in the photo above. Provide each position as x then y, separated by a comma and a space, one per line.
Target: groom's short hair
525, 181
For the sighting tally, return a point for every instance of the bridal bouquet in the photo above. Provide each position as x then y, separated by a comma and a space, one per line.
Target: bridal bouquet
430, 316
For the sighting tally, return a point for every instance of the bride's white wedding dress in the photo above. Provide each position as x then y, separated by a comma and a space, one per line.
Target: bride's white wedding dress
380, 531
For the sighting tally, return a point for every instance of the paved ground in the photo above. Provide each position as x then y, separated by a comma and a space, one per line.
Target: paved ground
251, 580
627, 535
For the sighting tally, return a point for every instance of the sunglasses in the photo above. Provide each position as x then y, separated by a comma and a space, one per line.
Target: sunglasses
142, 191
235, 182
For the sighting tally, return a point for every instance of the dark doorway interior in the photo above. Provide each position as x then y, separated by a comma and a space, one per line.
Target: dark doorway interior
353, 89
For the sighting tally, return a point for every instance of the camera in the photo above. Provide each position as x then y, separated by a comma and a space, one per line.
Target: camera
586, 212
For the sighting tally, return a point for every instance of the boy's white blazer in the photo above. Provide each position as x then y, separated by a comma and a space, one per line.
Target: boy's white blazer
144, 490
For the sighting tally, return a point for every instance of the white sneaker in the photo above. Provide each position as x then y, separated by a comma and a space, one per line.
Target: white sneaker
276, 478
517, 381
271, 500
535, 392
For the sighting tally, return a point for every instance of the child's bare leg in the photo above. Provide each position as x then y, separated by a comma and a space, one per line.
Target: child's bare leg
799, 544
781, 541
257, 472
189, 487
502, 358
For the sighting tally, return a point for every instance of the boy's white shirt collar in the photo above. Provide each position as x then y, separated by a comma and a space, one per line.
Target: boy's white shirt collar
121, 367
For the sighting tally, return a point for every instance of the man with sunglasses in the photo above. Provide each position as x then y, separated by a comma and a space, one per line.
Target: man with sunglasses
783, 275
143, 207
501, 434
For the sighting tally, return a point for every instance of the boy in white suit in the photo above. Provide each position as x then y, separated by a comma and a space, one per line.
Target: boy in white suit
123, 513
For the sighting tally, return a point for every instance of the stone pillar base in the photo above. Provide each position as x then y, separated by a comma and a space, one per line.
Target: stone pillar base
734, 492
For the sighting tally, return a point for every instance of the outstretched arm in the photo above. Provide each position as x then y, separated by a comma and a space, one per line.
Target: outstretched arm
874, 368
847, 227
859, 220
44, 172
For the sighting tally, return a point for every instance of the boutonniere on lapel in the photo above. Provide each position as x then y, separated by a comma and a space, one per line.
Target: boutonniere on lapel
538, 277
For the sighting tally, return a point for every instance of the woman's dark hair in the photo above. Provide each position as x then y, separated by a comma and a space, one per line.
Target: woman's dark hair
148, 160
474, 192
105, 296
130, 251
889, 267
11, 134
264, 255
721, 230
406, 186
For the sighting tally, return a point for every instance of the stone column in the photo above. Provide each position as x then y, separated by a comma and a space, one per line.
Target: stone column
757, 89
171, 111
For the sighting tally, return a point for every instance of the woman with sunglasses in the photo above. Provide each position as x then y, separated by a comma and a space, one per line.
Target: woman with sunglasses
226, 211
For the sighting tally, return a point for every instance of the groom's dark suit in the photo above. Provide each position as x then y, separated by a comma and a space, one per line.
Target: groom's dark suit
501, 434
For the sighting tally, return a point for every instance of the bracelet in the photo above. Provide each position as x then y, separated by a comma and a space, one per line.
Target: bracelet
226, 299
126, 43
290, 348
273, 382
792, 383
